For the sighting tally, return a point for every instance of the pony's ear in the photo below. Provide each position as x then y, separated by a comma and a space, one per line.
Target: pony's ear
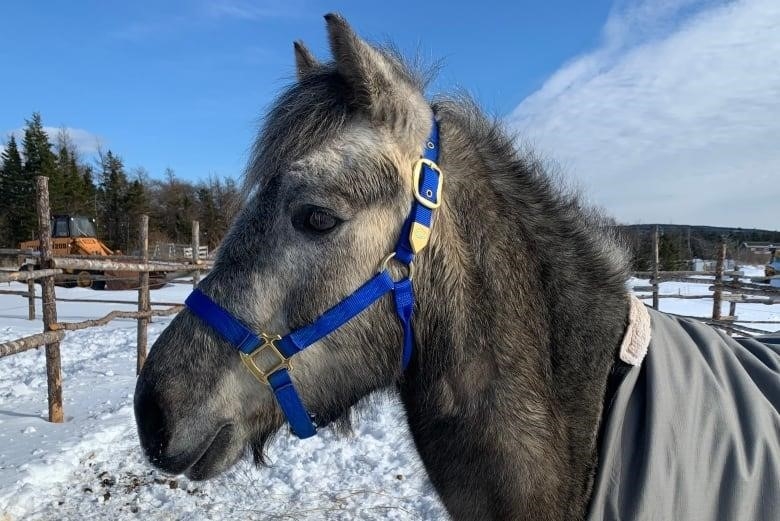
305, 62
379, 84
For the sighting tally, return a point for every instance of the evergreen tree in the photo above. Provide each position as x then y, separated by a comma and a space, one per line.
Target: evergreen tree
71, 197
112, 195
136, 203
90, 204
15, 213
106, 192
669, 253
38, 156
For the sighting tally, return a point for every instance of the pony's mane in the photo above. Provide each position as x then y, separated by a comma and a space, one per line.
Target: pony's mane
551, 208
318, 106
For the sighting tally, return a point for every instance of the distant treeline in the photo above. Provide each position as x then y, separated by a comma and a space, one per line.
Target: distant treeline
102, 188
105, 190
678, 244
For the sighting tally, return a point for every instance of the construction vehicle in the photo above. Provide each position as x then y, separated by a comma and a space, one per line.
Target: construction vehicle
74, 235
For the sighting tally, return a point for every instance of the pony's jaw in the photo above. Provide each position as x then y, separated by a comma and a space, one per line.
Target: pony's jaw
198, 424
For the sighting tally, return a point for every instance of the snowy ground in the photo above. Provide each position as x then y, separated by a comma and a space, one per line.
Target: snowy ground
91, 467
703, 307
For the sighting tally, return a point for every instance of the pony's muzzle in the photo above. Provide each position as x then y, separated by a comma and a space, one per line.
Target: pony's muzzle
200, 459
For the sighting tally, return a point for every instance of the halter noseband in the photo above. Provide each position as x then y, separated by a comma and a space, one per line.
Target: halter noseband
268, 356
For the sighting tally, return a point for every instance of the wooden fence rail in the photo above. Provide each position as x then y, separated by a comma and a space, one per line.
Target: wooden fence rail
29, 342
50, 266
733, 291
13, 276
54, 331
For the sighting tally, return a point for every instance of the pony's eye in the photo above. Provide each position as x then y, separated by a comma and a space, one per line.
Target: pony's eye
315, 220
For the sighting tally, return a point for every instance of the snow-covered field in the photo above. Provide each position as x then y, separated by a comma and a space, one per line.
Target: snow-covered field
703, 307
91, 466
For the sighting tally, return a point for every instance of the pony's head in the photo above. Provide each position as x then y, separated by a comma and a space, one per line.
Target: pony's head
328, 188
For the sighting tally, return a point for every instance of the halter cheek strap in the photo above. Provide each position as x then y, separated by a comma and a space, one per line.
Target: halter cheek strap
268, 357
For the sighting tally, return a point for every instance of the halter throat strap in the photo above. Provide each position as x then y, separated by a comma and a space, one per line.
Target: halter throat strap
269, 357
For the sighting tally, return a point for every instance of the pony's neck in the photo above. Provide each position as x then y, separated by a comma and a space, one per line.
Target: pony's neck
521, 308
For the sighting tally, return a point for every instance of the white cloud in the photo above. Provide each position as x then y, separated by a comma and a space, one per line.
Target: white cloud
86, 142
675, 117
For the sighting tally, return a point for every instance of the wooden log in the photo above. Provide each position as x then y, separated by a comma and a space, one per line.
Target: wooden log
717, 296
743, 299
143, 297
748, 285
675, 295
758, 321
663, 277
662, 274
105, 264
12, 276
19, 345
99, 301
15, 292
49, 304
655, 281
113, 315
14, 252
768, 292
195, 249
728, 326
736, 328
733, 304
30, 297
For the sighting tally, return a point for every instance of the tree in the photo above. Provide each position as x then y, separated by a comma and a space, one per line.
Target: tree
105, 191
112, 192
38, 156
75, 191
669, 253
218, 203
17, 208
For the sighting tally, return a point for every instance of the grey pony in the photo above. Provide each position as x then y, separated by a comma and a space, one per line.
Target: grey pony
521, 298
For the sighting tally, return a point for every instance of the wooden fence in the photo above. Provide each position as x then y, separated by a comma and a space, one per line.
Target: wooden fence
50, 266
732, 290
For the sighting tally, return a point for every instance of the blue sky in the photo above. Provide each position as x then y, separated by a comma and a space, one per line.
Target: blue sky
183, 84
631, 98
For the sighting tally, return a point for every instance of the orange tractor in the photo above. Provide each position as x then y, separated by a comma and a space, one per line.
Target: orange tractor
75, 235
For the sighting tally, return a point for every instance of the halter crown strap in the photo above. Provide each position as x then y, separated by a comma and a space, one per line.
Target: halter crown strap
269, 357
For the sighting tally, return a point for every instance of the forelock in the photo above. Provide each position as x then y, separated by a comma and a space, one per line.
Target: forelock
306, 115
311, 112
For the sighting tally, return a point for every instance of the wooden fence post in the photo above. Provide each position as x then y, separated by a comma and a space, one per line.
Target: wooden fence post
49, 304
717, 296
195, 251
655, 268
30, 296
143, 296
735, 282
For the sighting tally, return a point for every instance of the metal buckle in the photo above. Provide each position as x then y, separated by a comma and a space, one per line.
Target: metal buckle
386, 262
266, 359
417, 169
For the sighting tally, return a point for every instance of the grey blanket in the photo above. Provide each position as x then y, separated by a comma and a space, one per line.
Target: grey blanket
693, 434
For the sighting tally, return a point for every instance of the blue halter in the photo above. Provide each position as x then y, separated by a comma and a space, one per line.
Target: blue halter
268, 356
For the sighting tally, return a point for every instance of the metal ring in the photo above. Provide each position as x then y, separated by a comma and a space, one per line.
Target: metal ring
386, 262
430, 145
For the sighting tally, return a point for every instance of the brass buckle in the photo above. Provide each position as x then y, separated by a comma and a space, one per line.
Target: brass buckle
266, 359
386, 262
417, 169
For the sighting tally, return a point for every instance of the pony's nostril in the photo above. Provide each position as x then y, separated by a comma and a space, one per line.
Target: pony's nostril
150, 420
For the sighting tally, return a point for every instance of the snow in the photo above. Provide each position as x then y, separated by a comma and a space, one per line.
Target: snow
703, 307
91, 466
